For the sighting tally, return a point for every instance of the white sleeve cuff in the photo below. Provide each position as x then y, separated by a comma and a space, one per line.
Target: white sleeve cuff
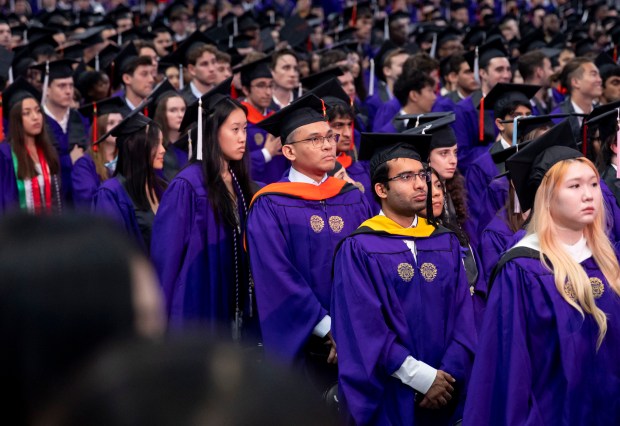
323, 327
266, 154
418, 375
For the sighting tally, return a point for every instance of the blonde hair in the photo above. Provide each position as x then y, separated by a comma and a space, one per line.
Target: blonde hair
571, 279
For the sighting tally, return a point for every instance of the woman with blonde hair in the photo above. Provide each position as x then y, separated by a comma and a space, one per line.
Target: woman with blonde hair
550, 336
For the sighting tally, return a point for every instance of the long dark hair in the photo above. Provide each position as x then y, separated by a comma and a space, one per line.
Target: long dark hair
17, 136
603, 159
220, 199
456, 188
160, 115
135, 164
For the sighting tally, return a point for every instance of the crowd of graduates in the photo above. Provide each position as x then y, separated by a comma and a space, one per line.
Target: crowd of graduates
412, 207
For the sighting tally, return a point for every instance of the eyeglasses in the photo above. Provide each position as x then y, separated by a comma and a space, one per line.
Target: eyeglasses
424, 175
318, 141
264, 86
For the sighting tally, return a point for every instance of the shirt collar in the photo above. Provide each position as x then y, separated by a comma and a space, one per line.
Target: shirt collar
129, 104
195, 90
504, 143
413, 224
64, 123
275, 101
298, 177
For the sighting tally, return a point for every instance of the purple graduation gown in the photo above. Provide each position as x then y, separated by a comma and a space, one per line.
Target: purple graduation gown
112, 200
360, 172
291, 242
386, 306
85, 181
493, 200
9, 198
537, 362
477, 178
194, 255
385, 114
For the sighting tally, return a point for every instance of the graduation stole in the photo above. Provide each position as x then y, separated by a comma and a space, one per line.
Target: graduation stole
383, 224
345, 159
254, 115
29, 190
306, 191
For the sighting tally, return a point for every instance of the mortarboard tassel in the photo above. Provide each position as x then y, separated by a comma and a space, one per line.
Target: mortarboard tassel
352, 103
46, 81
300, 90
353, 21
145, 111
584, 144
417, 120
616, 54
371, 84
189, 146
95, 135
476, 66
386, 29
235, 26
514, 130
517, 205
434, 46
233, 92
617, 143
119, 39
181, 82
10, 75
199, 143
324, 109
97, 62
111, 76
481, 121
230, 41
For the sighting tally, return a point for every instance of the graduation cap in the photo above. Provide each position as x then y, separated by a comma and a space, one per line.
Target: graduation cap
253, 70
481, 56
204, 105
476, 36
246, 22
533, 40
500, 157
296, 31
448, 34
504, 94
439, 128
103, 59
50, 71
133, 33
305, 110
379, 148
119, 12
16, 92
605, 63
526, 125
91, 36
41, 44
606, 123
416, 120
97, 109
320, 77
332, 93
40, 32
164, 88
530, 164
119, 64
341, 34
351, 13
134, 122
179, 56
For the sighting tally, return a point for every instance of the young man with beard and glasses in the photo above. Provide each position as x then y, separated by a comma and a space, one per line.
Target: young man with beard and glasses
293, 228
401, 305
268, 164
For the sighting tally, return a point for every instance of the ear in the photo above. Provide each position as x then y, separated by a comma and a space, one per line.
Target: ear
381, 190
126, 79
387, 71
452, 77
413, 96
289, 152
614, 148
500, 125
190, 69
245, 91
483, 73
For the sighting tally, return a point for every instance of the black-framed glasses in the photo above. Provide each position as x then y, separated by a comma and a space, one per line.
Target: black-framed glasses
424, 175
318, 141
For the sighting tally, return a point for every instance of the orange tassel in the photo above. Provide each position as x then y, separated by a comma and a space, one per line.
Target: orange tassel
585, 138
481, 123
324, 109
95, 135
354, 15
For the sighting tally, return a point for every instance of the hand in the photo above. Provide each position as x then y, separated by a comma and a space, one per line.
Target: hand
76, 153
332, 358
440, 391
273, 145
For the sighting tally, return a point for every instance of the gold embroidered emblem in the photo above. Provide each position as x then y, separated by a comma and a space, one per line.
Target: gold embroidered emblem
316, 223
336, 223
405, 271
597, 287
428, 271
259, 139
569, 291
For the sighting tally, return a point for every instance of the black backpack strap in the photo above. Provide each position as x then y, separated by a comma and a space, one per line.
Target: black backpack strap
513, 253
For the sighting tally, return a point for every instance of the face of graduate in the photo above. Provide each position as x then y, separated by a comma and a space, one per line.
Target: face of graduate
545, 73
286, 72
611, 92
497, 71
114, 119
438, 197
5, 36
348, 84
590, 84
343, 127
158, 153
32, 117
363, 28
404, 198
444, 161
466, 80
141, 81
424, 99
175, 109
260, 92
60, 92
204, 70
506, 129
101, 88
162, 42
577, 199
396, 67
223, 70
172, 73
232, 135
308, 159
